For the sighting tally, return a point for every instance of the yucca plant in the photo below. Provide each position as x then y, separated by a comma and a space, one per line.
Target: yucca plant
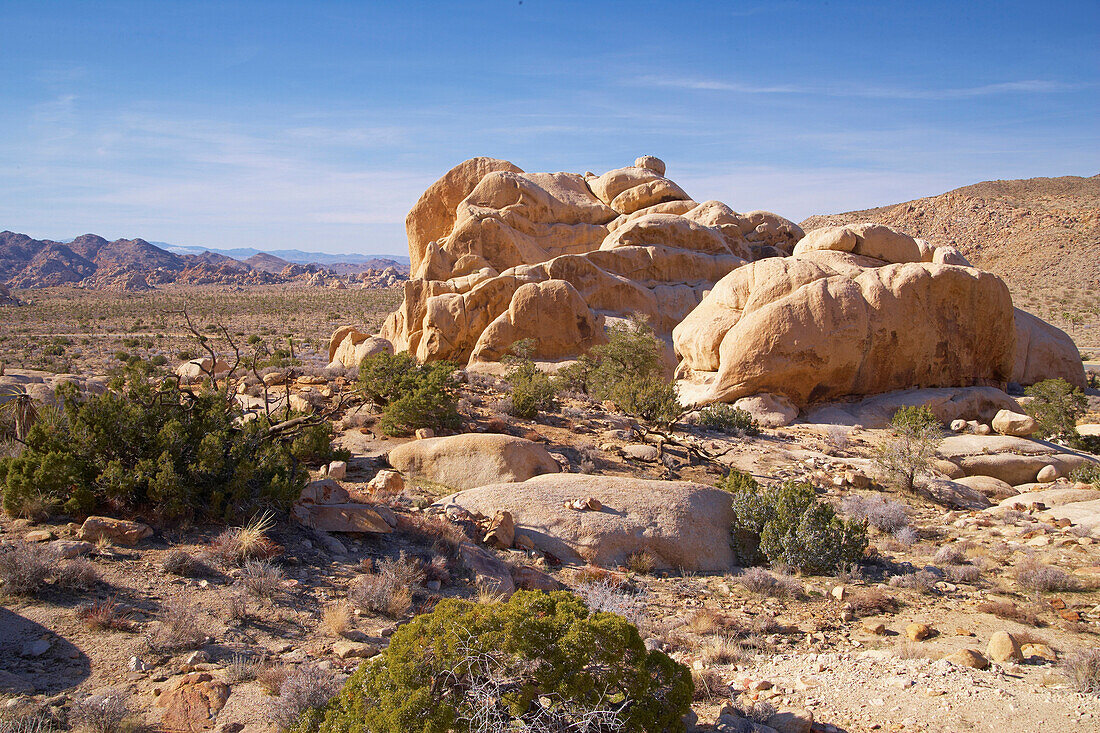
18, 413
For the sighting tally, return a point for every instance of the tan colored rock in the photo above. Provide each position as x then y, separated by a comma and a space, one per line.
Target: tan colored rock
424, 433
642, 452
968, 658
1084, 514
918, 631
467, 461
198, 369
1051, 497
355, 346
680, 524
529, 578
1037, 651
386, 483
991, 488
950, 470
502, 531
1003, 647
791, 720
769, 411
1047, 474
652, 163
1043, 352
1014, 423
192, 702
868, 240
67, 549
552, 313
947, 255
954, 495
116, 531
352, 517
490, 574
795, 327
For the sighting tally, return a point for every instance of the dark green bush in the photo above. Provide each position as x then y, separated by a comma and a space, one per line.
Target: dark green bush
1088, 473
411, 395
728, 419
538, 656
532, 388
1056, 404
627, 370
787, 524
157, 451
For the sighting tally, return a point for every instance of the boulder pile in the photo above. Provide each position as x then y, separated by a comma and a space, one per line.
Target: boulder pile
746, 303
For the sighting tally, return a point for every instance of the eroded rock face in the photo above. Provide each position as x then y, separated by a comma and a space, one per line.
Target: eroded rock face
500, 255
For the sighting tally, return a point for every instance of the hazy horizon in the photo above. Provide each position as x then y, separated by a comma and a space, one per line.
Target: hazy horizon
315, 127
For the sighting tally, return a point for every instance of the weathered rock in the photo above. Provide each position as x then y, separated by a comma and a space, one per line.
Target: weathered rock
791, 720
529, 578
466, 461
324, 491
682, 525
355, 346
192, 702
502, 531
918, 631
1051, 497
202, 368
489, 573
1017, 424
1038, 652
991, 488
769, 411
1043, 352
338, 470
386, 483
1003, 647
341, 518
67, 549
117, 531
968, 658
1047, 474
954, 495
1085, 514
642, 452
818, 330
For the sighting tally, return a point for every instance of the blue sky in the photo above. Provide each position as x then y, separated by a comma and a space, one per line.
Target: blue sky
317, 125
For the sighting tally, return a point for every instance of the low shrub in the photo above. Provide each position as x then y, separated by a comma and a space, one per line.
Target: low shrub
155, 449
787, 524
237, 545
907, 453
411, 395
305, 690
537, 657
178, 629
762, 583
532, 389
873, 602
389, 590
1083, 669
1088, 473
1032, 575
878, 511
728, 419
262, 579
104, 712
1010, 612
1056, 404
25, 567
184, 564
607, 595
922, 581
105, 616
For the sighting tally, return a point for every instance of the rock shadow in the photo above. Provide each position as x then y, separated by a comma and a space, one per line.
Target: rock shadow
61, 667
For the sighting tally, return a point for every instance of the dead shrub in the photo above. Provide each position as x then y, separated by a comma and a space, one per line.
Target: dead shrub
241, 668
1083, 669
184, 564
388, 591
708, 686
873, 602
104, 712
922, 581
79, 573
758, 581
708, 621
336, 619
1034, 576
271, 677
952, 554
25, 568
178, 629
612, 596
641, 562
963, 573
1010, 612
306, 688
237, 545
879, 512
262, 579
725, 650
105, 616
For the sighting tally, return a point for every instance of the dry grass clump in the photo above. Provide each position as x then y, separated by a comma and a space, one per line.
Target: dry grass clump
963, 573
722, 649
241, 668
1034, 576
912, 650
1083, 669
262, 579
237, 545
611, 596
437, 532
336, 619
1010, 612
922, 581
105, 616
184, 564
271, 677
708, 686
873, 602
105, 712
388, 591
708, 621
954, 554
759, 581
177, 630
306, 688
641, 562
25, 568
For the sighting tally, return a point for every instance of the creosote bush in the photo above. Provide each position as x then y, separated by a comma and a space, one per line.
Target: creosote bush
728, 419
627, 370
532, 388
153, 448
787, 524
1056, 404
411, 395
536, 662
907, 455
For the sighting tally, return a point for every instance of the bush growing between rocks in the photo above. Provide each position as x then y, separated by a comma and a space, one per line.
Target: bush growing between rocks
787, 524
1088, 473
158, 450
907, 454
728, 419
1034, 576
537, 662
104, 712
532, 388
1056, 404
411, 395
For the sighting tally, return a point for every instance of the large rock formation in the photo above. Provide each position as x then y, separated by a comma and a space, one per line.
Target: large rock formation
747, 303
501, 255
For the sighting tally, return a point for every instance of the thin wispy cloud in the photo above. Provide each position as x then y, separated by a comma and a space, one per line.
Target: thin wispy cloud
1027, 86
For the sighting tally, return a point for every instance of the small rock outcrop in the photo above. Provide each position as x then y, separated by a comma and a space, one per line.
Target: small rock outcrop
473, 459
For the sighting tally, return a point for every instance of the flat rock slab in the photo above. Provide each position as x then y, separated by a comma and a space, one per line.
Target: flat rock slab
1082, 513
1017, 469
682, 524
1052, 497
473, 459
957, 446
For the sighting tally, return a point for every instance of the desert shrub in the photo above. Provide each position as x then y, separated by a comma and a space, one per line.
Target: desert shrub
307, 689
950, 555
607, 595
178, 629
262, 579
1056, 404
627, 370
182, 563
762, 583
908, 452
641, 562
728, 419
79, 573
387, 591
1088, 473
873, 602
241, 668
1010, 612
922, 581
787, 524
1033, 575
538, 658
963, 573
237, 545
708, 685
1083, 669
906, 536
878, 511
532, 388
411, 395
336, 619
156, 449
313, 445
104, 712
25, 568
104, 616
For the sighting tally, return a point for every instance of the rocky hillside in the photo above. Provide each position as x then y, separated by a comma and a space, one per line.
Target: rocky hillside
90, 261
1042, 235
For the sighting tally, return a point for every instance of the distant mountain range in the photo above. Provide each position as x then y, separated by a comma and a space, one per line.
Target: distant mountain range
133, 264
